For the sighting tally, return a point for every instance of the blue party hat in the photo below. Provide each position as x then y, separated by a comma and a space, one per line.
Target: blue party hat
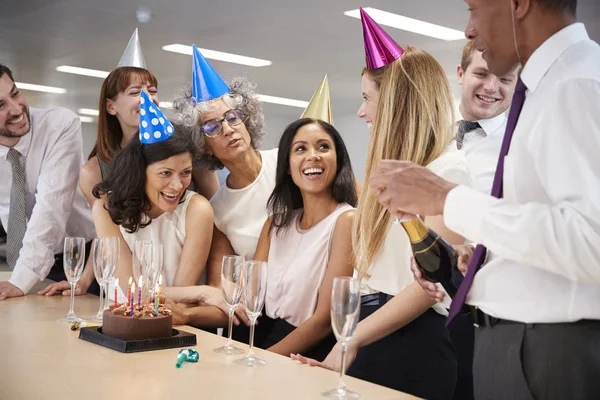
206, 83
154, 126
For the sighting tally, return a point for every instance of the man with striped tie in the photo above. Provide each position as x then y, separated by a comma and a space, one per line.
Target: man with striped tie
484, 99
40, 201
534, 278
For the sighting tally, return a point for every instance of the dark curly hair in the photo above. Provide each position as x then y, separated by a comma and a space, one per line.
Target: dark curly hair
286, 196
124, 187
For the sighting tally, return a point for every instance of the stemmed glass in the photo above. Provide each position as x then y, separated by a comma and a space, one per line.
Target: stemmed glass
154, 268
345, 308
73, 261
105, 253
231, 287
253, 294
140, 258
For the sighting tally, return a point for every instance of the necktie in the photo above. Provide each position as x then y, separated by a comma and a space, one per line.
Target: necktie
464, 127
480, 251
17, 216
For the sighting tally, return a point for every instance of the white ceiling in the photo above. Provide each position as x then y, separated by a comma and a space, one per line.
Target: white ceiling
303, 38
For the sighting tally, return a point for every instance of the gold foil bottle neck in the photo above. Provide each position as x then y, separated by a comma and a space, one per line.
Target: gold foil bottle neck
416, 229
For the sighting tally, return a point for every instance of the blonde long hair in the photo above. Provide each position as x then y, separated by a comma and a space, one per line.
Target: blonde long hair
414, 121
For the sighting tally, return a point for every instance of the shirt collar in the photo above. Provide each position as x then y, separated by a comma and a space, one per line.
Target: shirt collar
544, 56
491, 124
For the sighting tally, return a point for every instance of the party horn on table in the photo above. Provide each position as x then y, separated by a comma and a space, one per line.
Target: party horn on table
186, 355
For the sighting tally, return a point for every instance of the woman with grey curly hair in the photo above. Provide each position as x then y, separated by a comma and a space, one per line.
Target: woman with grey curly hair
230, 129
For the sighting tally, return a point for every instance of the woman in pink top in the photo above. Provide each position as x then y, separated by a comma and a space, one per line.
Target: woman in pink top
307, 241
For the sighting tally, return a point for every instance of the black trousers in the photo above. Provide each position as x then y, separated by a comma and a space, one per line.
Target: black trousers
462, 334
418, 359
537, 361
57, 273
269, 332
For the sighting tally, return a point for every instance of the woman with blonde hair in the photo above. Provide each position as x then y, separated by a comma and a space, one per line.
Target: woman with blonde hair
401, 341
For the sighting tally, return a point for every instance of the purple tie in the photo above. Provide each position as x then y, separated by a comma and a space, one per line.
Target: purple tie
479, 254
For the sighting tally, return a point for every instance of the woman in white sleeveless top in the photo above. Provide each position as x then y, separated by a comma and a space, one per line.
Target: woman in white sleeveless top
307, 240
144, 198
230, 130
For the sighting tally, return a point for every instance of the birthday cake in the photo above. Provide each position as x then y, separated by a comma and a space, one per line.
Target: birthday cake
142, 324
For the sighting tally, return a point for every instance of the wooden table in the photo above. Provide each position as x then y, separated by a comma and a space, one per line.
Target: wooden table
43, 359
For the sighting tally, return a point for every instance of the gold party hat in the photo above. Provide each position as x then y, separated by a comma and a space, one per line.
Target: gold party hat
319, 106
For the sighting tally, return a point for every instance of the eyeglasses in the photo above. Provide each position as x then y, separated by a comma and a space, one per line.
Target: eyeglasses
214, 127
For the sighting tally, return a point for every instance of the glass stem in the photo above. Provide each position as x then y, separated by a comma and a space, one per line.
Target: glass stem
230, 331
106, 296
72, 305
251, 348
341, 384
101, 308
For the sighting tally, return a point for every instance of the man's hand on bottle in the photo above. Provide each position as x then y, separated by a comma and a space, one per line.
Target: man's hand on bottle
435, 293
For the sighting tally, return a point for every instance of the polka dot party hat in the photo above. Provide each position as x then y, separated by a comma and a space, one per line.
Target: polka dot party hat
154, 126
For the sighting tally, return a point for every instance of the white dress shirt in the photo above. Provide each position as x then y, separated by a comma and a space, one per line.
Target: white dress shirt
543, 236
51, 154
482, 147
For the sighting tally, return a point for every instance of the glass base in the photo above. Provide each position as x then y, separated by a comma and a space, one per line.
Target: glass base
228, 350
338, 393
250, 362
70, 319
96, 319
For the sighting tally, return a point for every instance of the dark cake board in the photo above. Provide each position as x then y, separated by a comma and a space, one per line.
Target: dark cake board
178, 339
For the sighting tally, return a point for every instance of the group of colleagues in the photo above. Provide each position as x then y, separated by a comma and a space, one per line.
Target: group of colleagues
299, 207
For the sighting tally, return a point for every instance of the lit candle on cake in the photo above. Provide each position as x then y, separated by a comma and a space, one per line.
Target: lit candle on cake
116, 298
156, 299
132, 296
140, 284
129, 291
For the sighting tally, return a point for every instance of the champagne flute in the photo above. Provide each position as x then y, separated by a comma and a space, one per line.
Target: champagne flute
253, 295
154, 267
105, 253
231, 287
140, 258
73, 261
345, 308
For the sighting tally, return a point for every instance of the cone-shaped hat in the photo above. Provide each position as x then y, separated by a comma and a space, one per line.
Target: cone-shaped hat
206, 83
154, 126
319, 106
380, 48
133, 56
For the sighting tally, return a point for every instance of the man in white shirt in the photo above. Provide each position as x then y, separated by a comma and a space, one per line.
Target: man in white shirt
40, 201
484, 100
538, 292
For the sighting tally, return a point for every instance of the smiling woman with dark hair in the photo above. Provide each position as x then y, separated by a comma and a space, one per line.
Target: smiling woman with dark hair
307, 241
150, 202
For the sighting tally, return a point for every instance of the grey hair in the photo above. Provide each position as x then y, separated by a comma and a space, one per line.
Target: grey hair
189, 113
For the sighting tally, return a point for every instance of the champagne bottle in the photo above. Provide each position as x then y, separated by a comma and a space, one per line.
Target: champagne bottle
435, 258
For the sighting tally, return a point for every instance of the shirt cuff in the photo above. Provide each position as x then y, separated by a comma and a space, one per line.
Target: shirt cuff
464, 211
24, 278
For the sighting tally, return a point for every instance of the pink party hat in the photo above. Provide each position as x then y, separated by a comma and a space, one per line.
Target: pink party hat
380, 48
